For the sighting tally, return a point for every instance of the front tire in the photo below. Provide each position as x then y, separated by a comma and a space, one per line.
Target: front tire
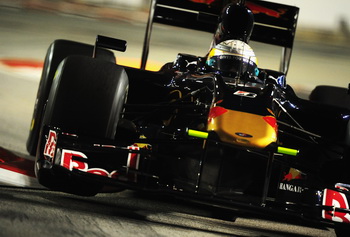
58, 50
86, 98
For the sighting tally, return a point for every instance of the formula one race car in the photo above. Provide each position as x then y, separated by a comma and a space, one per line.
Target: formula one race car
215, 129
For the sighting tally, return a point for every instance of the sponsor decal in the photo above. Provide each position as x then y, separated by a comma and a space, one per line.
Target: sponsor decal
293, 174
291, 188
133, 162
214, 112
204, 1
335, 199
75, 160
68, 162
243, 135
341, 186
50, 146
271, 120
257, 9
245, 94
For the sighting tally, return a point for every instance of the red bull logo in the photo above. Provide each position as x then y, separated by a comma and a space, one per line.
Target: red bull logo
293, 174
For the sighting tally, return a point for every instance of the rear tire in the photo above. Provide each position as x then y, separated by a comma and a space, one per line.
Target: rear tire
58, 50
331, 95
86, 98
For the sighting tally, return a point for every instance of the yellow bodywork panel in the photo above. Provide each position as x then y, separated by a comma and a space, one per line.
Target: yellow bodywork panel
244, 129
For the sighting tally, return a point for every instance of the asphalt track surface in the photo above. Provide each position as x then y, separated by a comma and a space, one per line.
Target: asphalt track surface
25, 36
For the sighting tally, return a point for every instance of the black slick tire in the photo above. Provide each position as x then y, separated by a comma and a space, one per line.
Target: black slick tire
58, 50
86, 98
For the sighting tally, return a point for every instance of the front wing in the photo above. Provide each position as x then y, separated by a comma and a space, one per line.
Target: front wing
137, 166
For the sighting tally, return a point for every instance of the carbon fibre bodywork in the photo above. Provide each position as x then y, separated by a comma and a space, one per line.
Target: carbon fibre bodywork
165, 158
248, 143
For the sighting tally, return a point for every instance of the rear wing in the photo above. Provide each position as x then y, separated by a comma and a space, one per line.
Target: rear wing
274, 23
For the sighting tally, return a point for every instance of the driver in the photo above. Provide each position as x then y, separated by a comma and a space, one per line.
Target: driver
230, 55
233, 58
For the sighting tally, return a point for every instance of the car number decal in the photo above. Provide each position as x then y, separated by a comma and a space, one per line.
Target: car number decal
245, 94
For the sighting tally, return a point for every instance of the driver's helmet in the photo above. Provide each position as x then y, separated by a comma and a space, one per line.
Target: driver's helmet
233, 58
